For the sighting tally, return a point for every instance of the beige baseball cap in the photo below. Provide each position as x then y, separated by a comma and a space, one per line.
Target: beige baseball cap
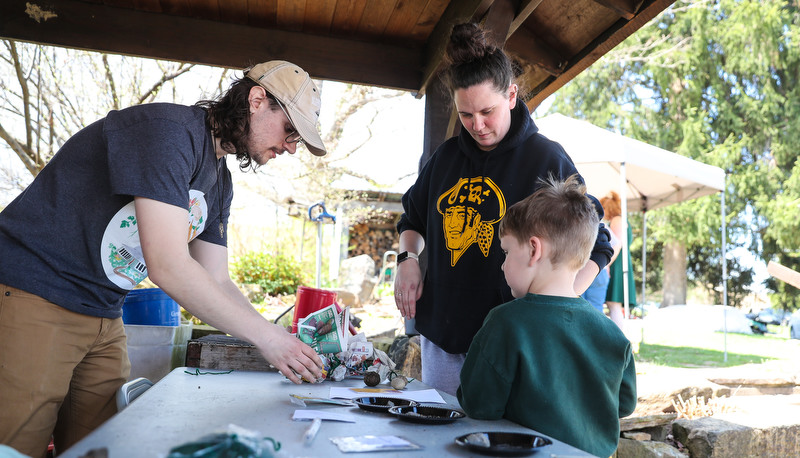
293, 88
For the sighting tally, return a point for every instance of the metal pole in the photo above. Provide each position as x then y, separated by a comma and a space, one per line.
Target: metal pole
625, 241
644, 257
724, 277
319, 252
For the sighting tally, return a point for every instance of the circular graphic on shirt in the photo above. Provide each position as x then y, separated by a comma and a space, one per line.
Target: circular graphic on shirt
121, 249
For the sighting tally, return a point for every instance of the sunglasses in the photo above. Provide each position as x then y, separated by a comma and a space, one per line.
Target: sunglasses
293, 137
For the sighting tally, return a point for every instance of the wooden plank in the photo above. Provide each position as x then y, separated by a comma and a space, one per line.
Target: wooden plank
527, 46
319, 17
210, 9
177, 7
427, 20
525, 10
455, 13
402, 19
498, 20
119, 3
235, 11
290, 14
225, 353
81, 25
784, 273
375, 17
438, 111
624, 8
153, 6
262, 13
347, 16
597, 48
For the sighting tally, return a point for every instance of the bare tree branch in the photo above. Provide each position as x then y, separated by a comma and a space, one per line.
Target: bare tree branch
20, 150
23, 83
110, 78
183, 68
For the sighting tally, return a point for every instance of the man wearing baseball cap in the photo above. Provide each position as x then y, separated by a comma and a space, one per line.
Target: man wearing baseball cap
113, 207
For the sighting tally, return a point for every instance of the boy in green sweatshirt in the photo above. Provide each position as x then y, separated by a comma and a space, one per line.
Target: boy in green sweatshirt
548, 360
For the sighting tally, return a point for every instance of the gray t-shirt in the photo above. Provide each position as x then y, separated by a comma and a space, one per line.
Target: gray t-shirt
71, 237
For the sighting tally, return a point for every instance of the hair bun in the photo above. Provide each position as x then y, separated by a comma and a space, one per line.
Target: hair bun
467, 43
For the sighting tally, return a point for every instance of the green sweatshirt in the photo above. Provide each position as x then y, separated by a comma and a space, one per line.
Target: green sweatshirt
555, 365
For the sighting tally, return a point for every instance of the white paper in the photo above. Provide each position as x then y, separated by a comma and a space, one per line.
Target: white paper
429, 395
310, 414
373, 443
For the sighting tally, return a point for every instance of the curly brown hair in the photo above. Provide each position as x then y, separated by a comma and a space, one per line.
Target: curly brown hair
228, 117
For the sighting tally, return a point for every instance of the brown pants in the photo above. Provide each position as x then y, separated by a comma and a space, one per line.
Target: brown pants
59, 372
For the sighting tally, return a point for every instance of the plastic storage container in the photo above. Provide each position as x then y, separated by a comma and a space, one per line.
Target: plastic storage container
150, 306
155, 350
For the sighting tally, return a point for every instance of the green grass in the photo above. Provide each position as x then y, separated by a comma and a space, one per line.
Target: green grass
708, 349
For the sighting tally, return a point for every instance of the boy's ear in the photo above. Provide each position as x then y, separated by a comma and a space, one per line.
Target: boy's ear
535, 248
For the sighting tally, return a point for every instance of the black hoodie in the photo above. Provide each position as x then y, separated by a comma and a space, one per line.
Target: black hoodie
456, 204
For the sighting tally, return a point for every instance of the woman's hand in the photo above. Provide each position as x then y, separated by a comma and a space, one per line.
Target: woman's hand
408, 287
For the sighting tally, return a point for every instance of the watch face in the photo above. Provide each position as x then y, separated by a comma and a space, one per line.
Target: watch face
402, 257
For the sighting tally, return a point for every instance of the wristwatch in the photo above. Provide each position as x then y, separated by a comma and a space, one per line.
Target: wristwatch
406, 255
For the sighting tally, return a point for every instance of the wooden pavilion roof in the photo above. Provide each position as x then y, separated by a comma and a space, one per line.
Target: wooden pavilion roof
389, 43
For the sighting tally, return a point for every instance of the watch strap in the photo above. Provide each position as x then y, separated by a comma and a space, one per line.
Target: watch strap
406, 255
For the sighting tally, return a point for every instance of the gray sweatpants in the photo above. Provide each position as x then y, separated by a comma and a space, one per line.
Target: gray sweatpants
440, 370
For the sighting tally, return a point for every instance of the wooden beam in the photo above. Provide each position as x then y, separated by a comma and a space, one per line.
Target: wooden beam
531, 49
784, 273
438, 119
591, 53
625, 8
97, 27
498, 20
526, 8
455, 13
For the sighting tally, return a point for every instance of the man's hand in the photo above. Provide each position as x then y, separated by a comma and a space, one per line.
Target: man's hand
290, 356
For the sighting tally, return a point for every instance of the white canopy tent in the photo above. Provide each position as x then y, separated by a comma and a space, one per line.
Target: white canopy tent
645, 176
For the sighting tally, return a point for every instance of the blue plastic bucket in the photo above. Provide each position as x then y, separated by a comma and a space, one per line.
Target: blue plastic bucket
150, 306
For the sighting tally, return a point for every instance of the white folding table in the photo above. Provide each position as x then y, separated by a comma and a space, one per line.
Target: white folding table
182, 408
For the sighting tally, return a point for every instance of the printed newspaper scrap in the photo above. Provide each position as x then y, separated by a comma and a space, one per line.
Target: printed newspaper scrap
326, 330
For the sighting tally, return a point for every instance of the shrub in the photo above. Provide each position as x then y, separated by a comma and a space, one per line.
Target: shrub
276, 275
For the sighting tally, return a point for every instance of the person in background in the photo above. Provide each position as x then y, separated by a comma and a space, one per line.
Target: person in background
143, 192
615, 294
595, 294
461, 194
547, 360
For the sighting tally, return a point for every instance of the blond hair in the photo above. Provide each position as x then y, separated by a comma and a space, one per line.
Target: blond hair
561, 213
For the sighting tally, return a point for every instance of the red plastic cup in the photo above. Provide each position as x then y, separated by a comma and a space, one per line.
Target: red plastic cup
309, 300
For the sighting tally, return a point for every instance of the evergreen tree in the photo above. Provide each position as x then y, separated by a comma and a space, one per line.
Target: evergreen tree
715, 81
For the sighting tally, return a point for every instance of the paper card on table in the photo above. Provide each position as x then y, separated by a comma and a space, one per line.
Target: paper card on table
429, 395
373, 443
310, 414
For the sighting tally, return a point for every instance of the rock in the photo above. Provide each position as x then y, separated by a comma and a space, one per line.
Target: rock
346, 298
647, 421
253, 292
636, 436
405, 351
357, 275
715, 438
629, 448
662, 402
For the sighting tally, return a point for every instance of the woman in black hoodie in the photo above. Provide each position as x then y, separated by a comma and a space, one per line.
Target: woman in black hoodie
459, 198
